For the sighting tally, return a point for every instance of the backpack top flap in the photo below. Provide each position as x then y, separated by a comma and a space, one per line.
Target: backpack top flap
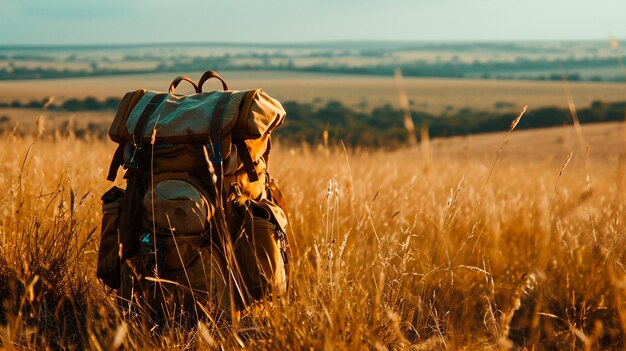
260, 114
188, 118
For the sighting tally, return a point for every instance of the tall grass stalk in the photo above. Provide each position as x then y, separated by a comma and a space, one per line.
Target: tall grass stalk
404, 104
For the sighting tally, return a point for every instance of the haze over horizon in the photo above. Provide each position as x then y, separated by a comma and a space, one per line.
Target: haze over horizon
93, 22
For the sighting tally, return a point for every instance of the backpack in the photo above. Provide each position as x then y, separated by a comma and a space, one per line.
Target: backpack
201, 223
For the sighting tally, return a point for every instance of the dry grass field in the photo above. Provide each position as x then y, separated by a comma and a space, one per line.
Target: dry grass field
476, 249
430, 95
26, 119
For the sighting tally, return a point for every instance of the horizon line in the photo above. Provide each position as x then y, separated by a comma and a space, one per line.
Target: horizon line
294, 44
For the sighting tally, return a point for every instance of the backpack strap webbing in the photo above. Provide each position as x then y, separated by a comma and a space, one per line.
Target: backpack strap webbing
215, 128
246, 159
143, 119
141, 158
118, 157
116, 162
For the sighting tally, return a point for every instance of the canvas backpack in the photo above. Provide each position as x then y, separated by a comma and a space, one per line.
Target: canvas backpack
201, 223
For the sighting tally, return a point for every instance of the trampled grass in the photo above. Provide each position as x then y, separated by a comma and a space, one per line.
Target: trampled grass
386, 254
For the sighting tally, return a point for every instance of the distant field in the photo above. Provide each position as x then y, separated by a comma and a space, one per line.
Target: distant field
52, 120
546, 146
420, 59
431, 95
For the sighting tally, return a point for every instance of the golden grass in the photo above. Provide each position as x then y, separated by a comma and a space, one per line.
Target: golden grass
387, 255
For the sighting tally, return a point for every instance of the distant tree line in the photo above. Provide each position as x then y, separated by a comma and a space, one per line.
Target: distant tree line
73, 105
383, 125
17, 73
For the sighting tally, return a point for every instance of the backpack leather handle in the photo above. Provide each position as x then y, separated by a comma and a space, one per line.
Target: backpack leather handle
177, 80
208, 75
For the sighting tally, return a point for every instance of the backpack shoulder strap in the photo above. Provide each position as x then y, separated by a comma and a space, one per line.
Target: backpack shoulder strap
116, 162
215, 128
246, 159
137, 136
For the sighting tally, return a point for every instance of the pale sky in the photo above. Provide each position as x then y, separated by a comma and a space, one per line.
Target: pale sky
27, 22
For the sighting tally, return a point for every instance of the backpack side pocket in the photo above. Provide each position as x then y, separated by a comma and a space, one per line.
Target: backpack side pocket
108, 266
259, 253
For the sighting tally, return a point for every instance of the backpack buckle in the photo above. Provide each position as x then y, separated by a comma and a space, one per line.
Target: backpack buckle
237, 190
147, 249
281, 236
133, 163
216, 153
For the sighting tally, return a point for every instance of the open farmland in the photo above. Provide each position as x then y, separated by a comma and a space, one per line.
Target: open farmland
365, 92
477, 248
535, 60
